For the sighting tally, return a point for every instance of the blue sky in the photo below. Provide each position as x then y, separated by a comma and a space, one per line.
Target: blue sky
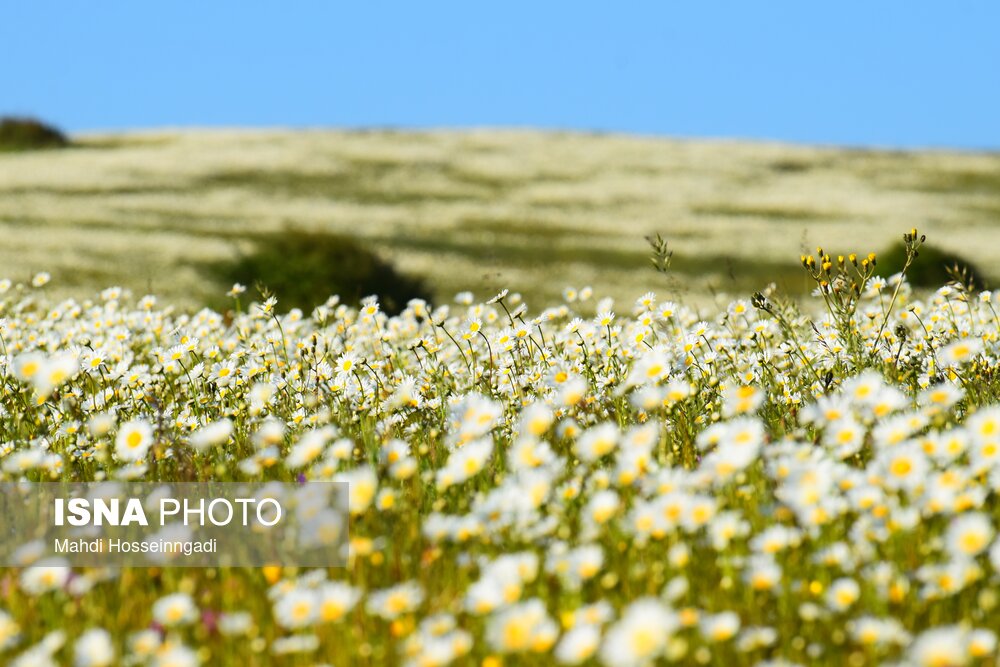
858, 73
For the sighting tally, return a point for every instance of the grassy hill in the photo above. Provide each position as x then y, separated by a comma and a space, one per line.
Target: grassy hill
479, 210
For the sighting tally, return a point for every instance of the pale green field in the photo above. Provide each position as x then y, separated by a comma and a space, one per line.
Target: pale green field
530, 211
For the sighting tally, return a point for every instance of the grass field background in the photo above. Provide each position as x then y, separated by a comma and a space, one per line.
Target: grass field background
530, 211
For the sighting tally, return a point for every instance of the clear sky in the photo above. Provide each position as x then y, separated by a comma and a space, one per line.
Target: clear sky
886, 73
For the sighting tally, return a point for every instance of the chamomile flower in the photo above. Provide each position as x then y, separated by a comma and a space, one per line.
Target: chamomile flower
960, 352
9, 630
596, 442
641, 635
969, 535
522, 628
843, 593
394, 601
903, 467
46, 575
362, 485
212, 435
335, 600
720, 627
175, 609
133, 440
465, 463
578, 645
176, 655
297, 608
93, 649
740, 400
939, 646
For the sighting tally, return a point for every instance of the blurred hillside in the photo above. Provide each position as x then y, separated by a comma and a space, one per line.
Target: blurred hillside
479, 210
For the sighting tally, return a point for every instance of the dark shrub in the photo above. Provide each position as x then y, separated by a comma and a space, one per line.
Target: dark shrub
932, 268
303, 269
22, 134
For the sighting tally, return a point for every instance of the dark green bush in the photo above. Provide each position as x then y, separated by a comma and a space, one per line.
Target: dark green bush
302, 269
932, 268
22, 134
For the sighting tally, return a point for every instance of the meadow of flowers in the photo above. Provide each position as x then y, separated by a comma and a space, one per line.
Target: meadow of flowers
773, 483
